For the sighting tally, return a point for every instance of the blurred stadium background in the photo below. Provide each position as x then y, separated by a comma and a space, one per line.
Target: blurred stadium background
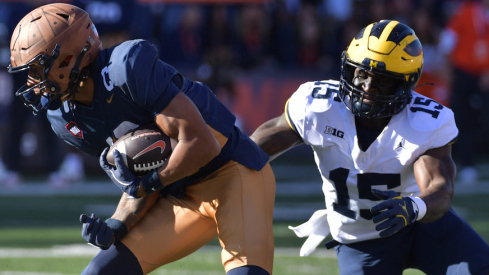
253, 54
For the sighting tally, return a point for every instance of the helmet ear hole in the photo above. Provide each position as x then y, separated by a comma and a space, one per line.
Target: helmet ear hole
65, 62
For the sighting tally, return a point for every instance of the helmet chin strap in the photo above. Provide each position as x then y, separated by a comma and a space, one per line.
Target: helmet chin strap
75, 73
51, 102
360, 106
367, 109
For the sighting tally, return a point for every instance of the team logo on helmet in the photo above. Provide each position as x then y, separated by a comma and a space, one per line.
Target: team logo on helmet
372, 63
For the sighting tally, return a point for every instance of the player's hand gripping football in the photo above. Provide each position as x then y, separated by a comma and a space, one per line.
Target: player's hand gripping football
398, 212
120, 174
96, 232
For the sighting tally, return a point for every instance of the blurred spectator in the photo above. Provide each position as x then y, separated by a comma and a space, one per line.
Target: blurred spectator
113, 19
283, 34
434, 71
181, 39
401, 10
339, 10
439, 11
219, 29
466, 41
253, 40
218, 45
378, 10
219, 66
310, 48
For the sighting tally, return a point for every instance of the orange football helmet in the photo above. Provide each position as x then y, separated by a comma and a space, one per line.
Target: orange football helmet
54, 43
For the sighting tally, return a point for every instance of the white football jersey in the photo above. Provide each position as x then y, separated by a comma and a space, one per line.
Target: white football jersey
349, 174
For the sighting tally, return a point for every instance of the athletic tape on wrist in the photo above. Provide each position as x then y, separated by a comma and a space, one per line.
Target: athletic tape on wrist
118, 227
421, 206
151, 182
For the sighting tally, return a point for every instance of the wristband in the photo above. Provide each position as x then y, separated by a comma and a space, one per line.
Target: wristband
118, 227
151, 182
420, 206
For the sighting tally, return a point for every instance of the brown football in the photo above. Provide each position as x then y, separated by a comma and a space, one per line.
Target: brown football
143, 149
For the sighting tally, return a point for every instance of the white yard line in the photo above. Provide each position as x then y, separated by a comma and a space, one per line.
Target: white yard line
61, 251
29, 273
80, 250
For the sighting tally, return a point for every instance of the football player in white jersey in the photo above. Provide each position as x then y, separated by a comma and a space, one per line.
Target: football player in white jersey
384, 154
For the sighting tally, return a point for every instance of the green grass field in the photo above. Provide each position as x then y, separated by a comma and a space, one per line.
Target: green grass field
35, 261
35, 230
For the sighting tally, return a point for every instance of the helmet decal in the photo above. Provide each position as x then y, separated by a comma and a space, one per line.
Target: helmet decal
360, 34
372, 63
414, 48
399, 32
378, 28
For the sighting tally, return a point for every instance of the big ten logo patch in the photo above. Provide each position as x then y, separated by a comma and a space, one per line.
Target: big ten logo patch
333, 131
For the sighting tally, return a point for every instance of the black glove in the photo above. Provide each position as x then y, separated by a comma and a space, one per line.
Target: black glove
399, 212
125, 179
96, 232
120, 175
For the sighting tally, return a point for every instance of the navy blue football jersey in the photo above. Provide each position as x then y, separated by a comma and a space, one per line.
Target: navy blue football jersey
131, 87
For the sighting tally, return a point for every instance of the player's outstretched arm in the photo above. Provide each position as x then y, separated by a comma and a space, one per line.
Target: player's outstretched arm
276, 137
435, 174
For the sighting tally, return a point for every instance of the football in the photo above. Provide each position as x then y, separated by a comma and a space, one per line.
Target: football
143, 149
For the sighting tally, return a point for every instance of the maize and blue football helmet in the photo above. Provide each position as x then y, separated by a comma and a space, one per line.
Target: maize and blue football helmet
387, 49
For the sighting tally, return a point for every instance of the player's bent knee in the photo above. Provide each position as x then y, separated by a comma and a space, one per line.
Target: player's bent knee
118, 259
248, 270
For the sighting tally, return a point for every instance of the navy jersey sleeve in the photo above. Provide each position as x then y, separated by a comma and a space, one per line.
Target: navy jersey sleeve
147, 80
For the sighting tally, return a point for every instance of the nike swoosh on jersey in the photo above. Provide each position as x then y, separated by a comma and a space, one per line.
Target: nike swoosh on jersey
110, 99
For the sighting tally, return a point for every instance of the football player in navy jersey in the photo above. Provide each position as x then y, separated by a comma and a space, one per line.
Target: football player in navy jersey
384, 153
216, 183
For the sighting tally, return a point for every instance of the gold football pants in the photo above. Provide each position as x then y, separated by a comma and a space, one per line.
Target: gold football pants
235, 203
